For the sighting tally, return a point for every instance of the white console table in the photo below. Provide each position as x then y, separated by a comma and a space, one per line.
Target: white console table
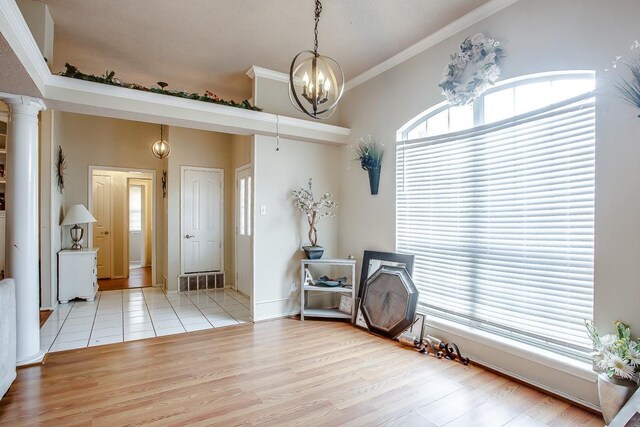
349, 291
77, 274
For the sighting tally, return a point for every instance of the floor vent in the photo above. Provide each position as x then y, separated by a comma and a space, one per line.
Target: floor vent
199, 281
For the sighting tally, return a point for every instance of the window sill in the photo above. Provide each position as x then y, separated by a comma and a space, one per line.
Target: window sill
544, 357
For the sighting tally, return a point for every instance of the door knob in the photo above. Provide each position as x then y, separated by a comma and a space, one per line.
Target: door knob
105, 232
188, 236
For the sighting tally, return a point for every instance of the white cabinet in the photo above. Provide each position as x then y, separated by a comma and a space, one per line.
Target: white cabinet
77, 274
348, 290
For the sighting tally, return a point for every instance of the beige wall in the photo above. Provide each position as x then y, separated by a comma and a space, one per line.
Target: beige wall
98, 141
191, 147
273, 97
538, 35
282, 231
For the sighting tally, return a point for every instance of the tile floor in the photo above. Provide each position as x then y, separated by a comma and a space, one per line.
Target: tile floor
132, 314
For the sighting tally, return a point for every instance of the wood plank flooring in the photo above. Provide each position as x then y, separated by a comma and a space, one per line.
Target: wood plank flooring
138, 278
283, 372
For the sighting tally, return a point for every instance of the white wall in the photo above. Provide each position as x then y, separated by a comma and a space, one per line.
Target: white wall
282, 231
538, 36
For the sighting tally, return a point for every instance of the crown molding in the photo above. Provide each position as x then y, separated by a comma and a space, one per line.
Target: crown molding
473, 17
266, 73
16, 31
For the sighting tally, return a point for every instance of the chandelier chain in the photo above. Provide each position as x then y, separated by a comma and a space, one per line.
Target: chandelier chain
318, 11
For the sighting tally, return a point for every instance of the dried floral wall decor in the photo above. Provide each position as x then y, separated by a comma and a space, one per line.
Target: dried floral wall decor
109, 78
472, 69
61, 167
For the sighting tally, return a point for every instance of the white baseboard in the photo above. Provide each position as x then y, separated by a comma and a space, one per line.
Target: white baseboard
538, 385
273, 309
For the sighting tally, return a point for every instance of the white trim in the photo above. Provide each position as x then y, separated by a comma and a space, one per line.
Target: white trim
16, 31
534, 354
266, 73
183, 169
476, 15
539, 385
154, 210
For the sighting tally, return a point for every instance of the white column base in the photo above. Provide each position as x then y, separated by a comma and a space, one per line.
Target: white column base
32, 360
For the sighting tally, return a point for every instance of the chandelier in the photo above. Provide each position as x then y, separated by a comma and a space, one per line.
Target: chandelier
161, 148
316, 82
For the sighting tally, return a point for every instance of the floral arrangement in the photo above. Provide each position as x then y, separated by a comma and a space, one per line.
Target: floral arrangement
314, 209
616, 354
368, 153
109, 78
629, 90
460, 86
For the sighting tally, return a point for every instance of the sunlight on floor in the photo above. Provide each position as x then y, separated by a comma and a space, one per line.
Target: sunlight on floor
132, 314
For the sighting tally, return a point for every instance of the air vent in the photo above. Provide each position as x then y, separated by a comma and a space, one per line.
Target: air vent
201, 281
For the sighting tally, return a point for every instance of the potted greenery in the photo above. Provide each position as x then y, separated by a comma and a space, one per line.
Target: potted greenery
369, 154
617, 356
315, 210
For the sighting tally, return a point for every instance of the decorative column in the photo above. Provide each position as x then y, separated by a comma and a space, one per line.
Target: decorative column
21, 201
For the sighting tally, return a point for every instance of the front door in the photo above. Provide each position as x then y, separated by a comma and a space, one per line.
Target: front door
244, 230
201, 219
102, 227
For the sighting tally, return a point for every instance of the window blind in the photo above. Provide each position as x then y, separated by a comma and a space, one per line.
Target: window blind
501, 221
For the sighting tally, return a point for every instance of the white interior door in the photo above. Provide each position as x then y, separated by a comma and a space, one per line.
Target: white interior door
102, 227
202, 245
244, 230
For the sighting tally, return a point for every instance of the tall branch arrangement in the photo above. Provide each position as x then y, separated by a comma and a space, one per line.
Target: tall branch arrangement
109, 78
314, 209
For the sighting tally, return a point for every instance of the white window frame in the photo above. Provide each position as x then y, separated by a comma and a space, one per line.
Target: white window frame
526, 351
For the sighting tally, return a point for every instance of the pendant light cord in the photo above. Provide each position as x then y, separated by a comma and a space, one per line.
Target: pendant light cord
318, 11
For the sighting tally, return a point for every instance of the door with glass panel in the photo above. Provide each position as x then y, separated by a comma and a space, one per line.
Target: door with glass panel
244, 229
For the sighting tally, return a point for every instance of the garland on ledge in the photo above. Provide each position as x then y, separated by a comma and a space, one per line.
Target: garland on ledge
109, 79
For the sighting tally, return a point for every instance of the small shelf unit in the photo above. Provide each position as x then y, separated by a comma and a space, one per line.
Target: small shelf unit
349, 291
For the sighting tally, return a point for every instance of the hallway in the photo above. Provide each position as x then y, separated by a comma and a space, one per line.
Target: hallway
138, 278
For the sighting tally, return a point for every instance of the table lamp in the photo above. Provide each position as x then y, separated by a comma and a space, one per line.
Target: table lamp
77, 214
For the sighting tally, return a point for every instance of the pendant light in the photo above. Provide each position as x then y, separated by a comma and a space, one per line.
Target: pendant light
316, 82
161, 148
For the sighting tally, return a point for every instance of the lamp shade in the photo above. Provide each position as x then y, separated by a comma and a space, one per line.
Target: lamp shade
78, 214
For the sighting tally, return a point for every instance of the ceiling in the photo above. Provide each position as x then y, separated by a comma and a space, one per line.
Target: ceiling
210, 44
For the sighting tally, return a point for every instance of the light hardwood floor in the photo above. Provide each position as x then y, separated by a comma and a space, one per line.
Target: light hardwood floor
283, 372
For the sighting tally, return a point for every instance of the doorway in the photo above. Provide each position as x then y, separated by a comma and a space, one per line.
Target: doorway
244, 230
123, 203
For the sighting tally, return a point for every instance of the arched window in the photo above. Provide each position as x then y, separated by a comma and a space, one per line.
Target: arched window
496, 200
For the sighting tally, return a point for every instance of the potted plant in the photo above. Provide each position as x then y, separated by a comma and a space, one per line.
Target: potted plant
369, 154
617, 356
315, 210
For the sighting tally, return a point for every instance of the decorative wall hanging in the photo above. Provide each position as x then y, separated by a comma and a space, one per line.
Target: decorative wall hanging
61, 166
472, 69
161, 149
316, 82
109, 79
369, 154
164, 184
629, 88
315, 210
